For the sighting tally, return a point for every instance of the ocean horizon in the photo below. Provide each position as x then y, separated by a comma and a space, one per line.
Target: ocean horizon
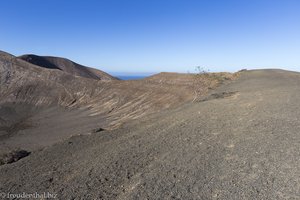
131, 77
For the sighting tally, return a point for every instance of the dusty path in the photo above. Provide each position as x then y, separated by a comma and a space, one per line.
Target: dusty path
245, 146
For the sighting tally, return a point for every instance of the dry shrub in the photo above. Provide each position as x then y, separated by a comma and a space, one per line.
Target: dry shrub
13, 156
205, 81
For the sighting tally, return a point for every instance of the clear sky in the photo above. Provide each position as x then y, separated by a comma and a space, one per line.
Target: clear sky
140, 36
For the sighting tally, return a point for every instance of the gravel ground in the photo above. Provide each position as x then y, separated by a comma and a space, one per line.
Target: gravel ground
244, 145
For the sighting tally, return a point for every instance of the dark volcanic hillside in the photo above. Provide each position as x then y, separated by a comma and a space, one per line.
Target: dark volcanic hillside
67, 66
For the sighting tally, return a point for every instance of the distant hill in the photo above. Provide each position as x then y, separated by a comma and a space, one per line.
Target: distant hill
67, 66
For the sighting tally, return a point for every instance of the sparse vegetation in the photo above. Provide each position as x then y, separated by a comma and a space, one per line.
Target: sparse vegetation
97, 130
13, 156
205, 81
201, 82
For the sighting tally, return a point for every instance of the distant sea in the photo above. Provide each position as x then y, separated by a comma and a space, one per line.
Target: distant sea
131, 77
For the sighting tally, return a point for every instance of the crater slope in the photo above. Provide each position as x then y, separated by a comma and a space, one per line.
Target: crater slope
40, 106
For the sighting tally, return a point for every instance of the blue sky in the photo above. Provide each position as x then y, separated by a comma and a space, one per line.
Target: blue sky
142, 36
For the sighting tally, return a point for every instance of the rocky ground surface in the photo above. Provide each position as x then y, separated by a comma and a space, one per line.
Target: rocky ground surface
240, 142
